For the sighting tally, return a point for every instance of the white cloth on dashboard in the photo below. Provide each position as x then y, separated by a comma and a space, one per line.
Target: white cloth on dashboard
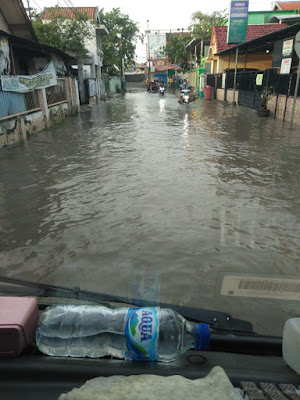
215, 386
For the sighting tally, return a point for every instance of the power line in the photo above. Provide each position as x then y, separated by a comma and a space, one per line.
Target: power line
175, 30
70, 12
37, 5
72, 8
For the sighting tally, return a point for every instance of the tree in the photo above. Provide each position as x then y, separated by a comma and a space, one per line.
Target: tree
118, 23
65, 34
176, 51
202, 24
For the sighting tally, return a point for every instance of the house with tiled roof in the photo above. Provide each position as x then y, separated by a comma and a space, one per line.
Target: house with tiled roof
287, 5
275, 50
218, 43
90, 68
70, 12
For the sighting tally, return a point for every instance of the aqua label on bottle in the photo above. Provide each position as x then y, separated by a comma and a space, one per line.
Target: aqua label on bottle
141, 332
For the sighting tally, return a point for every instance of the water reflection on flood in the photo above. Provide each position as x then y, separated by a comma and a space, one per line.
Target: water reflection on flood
141, 189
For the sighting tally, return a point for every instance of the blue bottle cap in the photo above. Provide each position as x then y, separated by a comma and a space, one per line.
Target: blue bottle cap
202, 337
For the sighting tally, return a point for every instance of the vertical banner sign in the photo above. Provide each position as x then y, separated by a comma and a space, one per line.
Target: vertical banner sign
238, 21
157, 43
92, 87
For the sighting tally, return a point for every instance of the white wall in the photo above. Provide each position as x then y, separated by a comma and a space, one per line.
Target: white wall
114, 81
92, 47
91, 44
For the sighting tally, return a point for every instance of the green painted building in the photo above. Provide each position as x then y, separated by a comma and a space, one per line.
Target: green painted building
273, 16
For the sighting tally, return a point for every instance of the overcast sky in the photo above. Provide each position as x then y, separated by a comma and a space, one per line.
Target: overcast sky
161, 14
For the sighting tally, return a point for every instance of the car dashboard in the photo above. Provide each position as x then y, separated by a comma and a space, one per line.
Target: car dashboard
36, 376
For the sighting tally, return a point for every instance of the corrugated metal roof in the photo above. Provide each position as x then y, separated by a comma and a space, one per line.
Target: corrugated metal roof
16, 18
69, 12
289, 16
289, 5
31, 45
253, 32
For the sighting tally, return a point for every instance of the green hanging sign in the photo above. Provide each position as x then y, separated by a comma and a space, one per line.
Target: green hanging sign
238, 21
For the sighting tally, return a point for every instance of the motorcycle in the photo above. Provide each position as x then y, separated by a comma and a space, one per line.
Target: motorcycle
152, 88
185, 96
162, 90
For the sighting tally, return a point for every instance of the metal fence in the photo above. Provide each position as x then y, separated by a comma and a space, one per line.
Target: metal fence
14, 104
211, 80
249, 91
283, 84
219, 81
57, 94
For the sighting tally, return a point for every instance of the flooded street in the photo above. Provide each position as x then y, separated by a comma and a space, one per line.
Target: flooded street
139, 189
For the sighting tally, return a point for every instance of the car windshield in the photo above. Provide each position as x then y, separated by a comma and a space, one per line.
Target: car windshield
112, 185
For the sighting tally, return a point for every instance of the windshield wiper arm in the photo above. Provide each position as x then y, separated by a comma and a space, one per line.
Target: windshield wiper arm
216, 319
23, 287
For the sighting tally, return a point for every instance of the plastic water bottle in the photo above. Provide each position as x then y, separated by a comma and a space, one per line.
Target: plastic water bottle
149, 333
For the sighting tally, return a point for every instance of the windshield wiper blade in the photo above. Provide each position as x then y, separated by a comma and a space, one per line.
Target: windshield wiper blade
217, 320
28, 288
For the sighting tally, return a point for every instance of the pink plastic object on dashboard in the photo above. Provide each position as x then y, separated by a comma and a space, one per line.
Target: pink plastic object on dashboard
18, 323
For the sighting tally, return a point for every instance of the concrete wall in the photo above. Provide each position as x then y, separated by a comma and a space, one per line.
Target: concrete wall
58, 113
21, 127
193, 77
271, 105
230, 96
91, 44
14, 130
220, 94
281, 106
114, 81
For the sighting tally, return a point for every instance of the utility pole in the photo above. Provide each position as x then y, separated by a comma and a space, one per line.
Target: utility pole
297, 50
149, 71
119, 35
235, 73
29, 9
295, 97
82, 91
122, 73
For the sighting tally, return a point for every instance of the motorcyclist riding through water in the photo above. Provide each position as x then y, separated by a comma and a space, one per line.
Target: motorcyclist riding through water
162, 87
185, 86
152, 86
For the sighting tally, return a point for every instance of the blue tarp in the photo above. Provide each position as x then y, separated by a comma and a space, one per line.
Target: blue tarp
162, 76
11, 103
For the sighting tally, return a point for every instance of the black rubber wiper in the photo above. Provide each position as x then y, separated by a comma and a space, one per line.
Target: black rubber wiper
219, 321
